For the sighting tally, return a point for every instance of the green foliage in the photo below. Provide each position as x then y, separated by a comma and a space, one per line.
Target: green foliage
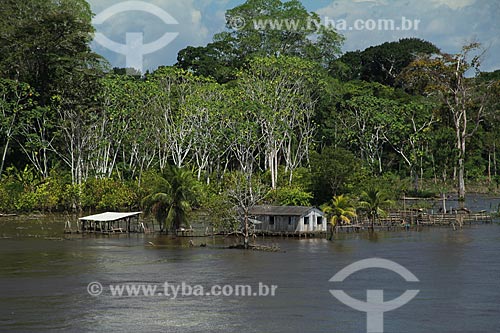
476, 167
291, 196
220, 212
334, 171
389, 182
106, 193
257, 107
382, 63
218, 60
374, 202
10, 192
24, 191
232, 49
45, 43
302, 178
173, 196
339, 211
15, 100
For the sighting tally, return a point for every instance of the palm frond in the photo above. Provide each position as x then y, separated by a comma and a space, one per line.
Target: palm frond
340, 209
175, 192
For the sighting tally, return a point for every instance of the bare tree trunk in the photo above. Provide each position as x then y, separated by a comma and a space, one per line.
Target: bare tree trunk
415, 184
4, 155
271, 168
461, 180
333, 228
247, 236
489, 167
494, 159
444, 202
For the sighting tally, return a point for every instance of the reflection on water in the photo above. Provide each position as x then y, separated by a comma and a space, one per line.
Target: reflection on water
44, 276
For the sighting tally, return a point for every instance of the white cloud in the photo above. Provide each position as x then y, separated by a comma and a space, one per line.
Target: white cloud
192, 28
448, 24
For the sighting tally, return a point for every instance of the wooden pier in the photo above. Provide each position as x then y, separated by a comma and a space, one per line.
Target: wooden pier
422, 218
398, 221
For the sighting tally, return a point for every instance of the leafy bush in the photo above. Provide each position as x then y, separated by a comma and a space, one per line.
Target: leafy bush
10, 191
291, 196
105, 193
23, 190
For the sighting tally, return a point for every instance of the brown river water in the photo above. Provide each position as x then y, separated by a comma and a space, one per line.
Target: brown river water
45, 277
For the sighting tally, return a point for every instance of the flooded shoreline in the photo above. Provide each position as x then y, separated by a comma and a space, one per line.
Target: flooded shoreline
44, 283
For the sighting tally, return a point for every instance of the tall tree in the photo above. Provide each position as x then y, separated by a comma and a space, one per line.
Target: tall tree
175, 133
274, 27
382, 63
218, 60
362, 120
46, 44
407, 127
15, 97
282, 88
466, 98
333, 171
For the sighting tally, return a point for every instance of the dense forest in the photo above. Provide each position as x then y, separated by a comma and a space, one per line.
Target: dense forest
255, 116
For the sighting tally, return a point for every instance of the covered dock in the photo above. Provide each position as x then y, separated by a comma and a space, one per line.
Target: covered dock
112, 222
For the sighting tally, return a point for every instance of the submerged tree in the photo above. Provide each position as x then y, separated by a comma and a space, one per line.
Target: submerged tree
339, 210
373, 202
172, 199
244, 193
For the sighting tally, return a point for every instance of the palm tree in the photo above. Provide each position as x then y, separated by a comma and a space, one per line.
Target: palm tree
373, 202
339, 210
174, 193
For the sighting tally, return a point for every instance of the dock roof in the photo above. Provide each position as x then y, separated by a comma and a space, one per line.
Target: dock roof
109, 216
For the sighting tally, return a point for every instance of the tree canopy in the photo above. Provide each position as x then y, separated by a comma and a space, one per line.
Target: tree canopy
266, 113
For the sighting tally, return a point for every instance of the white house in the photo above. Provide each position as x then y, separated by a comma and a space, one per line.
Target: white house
288, 219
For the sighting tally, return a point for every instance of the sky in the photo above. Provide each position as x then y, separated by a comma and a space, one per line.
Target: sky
164, 27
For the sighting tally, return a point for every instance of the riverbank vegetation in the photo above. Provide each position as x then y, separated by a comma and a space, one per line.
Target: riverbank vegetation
256, 116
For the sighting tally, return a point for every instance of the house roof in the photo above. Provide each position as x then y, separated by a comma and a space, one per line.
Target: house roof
108, 216
280, 210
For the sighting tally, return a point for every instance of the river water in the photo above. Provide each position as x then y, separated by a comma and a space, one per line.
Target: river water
44, 279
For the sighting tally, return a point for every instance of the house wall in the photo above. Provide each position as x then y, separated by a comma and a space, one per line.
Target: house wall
293, 223
313, 225
281, 223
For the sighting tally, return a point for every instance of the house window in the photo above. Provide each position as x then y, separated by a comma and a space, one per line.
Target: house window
271, 220
319, 220
306, 220
290, 220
